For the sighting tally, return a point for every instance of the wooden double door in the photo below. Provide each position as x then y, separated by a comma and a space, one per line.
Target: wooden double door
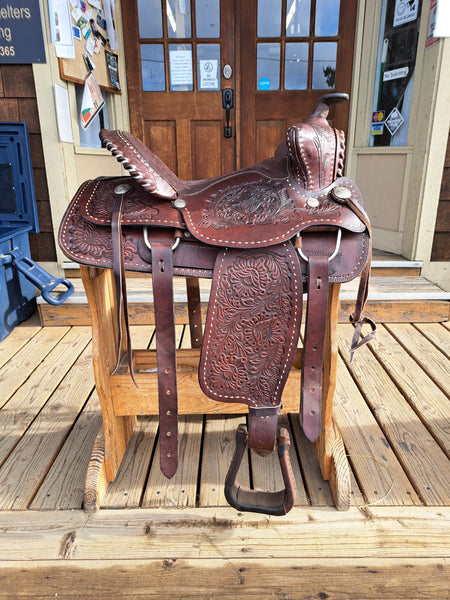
214, 84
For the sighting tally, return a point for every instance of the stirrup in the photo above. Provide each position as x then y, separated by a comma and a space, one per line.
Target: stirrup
269, 503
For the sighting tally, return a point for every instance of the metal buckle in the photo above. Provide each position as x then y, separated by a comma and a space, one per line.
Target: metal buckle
149, 244
335, 251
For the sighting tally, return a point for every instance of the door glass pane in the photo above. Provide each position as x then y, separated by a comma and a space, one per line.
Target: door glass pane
180, 65
268, 67
150, 19
394, 76
327, 17
178, 18
296, 67
207, 18
297, 18
269, 18
152, 65
208, 61
324, 65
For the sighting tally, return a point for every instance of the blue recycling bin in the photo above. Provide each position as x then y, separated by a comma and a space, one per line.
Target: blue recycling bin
19, 275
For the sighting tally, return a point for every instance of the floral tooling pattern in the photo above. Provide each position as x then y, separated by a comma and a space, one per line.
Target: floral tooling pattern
263, 201
251, 340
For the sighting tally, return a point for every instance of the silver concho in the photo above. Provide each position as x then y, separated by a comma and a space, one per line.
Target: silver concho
342, 193
312, 202
123, 188
179, 203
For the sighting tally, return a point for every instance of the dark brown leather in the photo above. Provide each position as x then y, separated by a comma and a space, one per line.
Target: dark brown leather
242, 230
162, 277
269, 503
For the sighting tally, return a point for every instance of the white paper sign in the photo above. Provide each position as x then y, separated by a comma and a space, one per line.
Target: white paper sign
61, 28
208, 74
442, 28
405, 11
63, 114
181, 68
108, 8
395, 74
394, 120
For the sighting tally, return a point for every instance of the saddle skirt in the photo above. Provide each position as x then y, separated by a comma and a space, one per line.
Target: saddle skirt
264, 235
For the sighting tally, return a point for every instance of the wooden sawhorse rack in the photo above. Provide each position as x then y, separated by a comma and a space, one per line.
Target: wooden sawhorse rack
121, 401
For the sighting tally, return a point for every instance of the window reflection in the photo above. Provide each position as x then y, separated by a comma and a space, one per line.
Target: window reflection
178, 18
297, 18
327, 17
150, 19
296, 66
152, 66
268, 66
324, 65
207, 18
269, 18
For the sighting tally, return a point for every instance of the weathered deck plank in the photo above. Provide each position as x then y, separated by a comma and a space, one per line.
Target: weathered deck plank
395, 550
296, 579
218, 449
318, 490
181, 490
370, 453
26, 466
23, 363
414, 381
385, 438
27, 401
63, 486
222, 533
418, 346
17, 339
437, 333
422, 459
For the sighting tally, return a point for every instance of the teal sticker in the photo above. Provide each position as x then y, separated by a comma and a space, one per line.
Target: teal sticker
264, 83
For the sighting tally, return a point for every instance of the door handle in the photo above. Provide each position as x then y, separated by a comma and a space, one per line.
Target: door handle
227, 104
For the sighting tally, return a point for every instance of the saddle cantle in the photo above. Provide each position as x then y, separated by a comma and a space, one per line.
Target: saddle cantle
264, 235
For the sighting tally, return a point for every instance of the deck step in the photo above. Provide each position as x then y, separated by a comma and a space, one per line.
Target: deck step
392, 299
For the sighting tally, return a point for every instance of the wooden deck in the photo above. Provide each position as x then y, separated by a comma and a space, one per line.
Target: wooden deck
178, 538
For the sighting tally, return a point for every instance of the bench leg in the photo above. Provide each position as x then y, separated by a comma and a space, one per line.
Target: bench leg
100, 292
96, 482
329, 446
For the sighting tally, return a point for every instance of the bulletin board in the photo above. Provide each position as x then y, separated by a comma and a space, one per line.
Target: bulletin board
75, 69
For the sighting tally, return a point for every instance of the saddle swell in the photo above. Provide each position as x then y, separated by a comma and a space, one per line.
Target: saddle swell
265, 235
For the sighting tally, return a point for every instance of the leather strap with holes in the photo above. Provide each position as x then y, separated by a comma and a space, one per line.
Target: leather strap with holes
162, 280
316, 315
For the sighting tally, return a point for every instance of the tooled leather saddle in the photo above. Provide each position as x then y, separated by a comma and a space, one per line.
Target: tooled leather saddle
264, 235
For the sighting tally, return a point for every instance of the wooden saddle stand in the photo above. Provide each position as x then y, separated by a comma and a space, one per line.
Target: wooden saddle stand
265, 235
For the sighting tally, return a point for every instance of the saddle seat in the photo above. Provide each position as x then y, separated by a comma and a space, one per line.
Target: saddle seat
265, 235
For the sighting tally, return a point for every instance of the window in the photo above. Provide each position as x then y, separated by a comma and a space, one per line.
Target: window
299, 53
397, 49
89, 138
188, 60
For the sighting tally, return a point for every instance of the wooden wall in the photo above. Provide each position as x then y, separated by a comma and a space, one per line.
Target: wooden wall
441, 242
18, 103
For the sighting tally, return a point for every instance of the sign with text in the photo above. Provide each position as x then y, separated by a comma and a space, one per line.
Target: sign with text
21, 39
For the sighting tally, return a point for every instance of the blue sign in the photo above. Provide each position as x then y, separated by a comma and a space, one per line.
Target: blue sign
21, 39
264, 83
